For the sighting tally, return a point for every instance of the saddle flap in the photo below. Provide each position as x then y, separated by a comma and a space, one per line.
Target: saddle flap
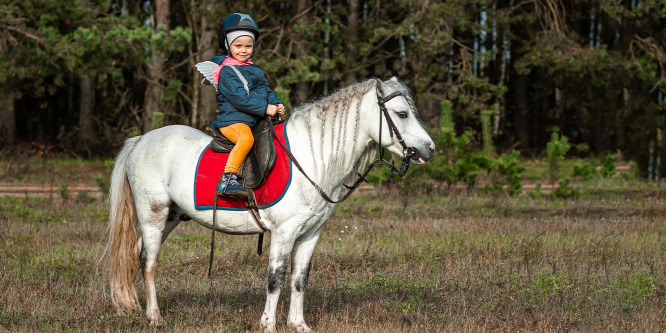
220, 143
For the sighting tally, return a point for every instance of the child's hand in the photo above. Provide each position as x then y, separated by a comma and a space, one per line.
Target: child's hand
271, 110
280, 109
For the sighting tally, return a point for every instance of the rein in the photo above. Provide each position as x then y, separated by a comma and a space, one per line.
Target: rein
409, 152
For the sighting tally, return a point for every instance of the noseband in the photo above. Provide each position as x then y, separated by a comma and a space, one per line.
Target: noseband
408, 151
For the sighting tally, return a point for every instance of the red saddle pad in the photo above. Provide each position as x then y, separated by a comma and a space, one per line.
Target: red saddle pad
211, 166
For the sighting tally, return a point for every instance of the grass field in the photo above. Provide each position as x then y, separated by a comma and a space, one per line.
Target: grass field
438, 262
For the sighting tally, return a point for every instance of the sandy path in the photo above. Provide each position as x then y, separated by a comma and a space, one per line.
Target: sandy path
32, 190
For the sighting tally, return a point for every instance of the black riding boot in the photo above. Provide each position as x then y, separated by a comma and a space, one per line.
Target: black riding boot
231, 188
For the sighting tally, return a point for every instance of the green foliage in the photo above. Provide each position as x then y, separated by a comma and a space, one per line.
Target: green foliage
103, 182
64, 192
544, 286
457, 159
564, 190
11, 318
584, 170
509, 166
536, 193
134, 131
530, 65
608, 166
283, 94
633, 173
635, 289
488, 147
158, 119
556, 148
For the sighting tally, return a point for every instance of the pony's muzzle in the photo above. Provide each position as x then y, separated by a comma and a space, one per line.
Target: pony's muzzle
426, 153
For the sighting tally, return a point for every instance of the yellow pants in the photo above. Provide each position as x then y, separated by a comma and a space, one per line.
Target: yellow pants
241, 135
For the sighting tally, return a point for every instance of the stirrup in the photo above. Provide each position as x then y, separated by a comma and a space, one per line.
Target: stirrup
231, 188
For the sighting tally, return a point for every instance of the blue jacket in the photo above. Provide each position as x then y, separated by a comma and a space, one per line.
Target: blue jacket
233, 101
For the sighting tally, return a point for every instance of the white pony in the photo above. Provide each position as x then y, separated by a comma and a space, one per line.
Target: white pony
333, 138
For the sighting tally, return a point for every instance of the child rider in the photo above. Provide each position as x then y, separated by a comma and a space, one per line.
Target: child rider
243, 96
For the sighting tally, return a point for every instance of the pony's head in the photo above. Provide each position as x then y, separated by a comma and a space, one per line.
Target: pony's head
395, 96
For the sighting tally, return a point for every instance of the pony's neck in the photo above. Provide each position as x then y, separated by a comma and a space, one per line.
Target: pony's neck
329, 138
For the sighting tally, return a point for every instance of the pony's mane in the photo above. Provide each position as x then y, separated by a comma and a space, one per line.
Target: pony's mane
333, 112
357, 90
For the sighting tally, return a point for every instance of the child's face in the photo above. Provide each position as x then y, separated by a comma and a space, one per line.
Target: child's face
241, 49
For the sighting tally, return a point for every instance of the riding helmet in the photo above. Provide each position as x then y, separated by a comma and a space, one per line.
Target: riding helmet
236, 21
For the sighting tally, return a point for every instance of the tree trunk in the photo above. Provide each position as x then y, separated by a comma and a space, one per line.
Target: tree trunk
519, 86
155, 70
208, 103
302, 90
520, 98
627, 28
204, 99
7, 118
86, 106
497, 72
352, 37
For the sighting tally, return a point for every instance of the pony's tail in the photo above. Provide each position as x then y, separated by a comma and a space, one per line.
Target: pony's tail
121, 255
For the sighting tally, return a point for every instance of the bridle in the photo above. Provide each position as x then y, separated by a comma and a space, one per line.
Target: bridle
410, 153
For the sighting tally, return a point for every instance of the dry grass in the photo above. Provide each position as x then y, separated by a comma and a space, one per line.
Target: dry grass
389, 262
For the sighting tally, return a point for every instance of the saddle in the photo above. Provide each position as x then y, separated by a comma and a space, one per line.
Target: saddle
261, 157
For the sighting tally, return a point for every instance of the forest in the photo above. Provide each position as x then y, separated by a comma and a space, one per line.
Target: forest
77, 77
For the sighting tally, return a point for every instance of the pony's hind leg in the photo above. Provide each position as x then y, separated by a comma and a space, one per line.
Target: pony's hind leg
152, 216
173, 220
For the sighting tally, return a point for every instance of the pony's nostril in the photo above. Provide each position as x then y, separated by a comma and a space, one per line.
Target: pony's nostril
432, 147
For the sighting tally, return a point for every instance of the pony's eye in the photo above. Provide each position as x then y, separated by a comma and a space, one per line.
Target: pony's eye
402, 114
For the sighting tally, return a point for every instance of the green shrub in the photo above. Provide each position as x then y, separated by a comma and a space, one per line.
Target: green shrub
456, 159
158, 120
63, 192
556, 148
584, 171
608, 166
509, 166
564, 190
488, 147
103, 182
536, 193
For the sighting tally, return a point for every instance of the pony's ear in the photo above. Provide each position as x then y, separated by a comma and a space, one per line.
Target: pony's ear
394, 79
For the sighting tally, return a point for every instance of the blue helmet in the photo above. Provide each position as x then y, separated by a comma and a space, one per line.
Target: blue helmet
236, 21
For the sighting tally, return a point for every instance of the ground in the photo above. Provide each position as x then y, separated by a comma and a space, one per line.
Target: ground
447, 261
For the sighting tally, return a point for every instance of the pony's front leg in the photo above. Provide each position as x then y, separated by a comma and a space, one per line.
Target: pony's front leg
281, 245
300, 270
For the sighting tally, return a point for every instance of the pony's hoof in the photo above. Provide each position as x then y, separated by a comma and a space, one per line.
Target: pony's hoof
268, 326
269, 329
157, 322
300, 327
